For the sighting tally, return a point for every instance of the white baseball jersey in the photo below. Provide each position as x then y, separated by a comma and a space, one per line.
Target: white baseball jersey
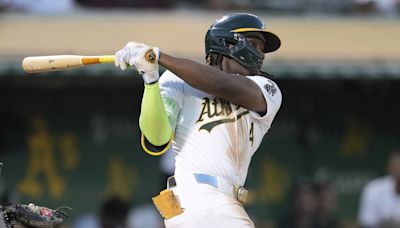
213, 136
380, 204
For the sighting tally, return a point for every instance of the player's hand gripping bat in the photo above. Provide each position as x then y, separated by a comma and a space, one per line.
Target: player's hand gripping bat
37, 64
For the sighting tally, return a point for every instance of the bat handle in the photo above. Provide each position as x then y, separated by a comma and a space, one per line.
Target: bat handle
87, 60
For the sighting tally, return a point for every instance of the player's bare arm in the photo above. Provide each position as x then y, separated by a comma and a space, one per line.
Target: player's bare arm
231, 87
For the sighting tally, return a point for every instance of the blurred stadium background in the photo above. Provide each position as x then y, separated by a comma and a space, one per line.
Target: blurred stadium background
71, 138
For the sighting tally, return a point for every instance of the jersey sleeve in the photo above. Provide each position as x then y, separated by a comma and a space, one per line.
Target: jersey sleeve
272, 95
171, 88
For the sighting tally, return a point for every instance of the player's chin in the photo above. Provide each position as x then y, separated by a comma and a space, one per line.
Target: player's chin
254, 70
246, 70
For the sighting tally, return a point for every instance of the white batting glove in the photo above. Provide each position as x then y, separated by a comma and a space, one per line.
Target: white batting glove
144, 58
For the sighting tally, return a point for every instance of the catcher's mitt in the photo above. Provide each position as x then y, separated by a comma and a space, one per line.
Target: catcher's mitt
21, 215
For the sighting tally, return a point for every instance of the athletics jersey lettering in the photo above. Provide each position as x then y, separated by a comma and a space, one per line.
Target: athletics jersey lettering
209, 126
217, 107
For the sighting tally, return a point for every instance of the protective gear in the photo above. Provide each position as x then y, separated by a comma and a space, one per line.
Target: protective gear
144, 58
227, 37
20, 215
153, 121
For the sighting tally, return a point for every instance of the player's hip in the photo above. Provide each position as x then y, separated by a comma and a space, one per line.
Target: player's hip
200, 218
210, 184
203, 206
200, 202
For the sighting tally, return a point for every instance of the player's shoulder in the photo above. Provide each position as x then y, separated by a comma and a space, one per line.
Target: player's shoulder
168, 75
378, 185
263, 76
266, 83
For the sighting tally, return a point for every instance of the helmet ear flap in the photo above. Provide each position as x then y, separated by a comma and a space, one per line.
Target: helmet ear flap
244, 53
237, 48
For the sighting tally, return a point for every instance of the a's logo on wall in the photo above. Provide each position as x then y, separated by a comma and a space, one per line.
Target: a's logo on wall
270, 88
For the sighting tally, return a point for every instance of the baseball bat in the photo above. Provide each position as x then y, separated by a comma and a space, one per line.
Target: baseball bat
37, 64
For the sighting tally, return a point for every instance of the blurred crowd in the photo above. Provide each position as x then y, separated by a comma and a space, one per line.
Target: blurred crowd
385, 8
312, 205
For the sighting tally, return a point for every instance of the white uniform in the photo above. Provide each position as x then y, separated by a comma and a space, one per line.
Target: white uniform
380, 204
216, 138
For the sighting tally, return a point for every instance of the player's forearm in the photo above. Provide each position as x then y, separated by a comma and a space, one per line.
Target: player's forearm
200, 76
153, 119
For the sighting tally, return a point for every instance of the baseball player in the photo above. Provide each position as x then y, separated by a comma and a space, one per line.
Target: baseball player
215, 115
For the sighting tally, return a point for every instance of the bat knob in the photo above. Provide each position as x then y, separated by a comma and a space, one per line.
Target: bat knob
150, 56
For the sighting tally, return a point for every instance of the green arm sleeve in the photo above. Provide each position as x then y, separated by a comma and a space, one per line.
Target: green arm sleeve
153, 120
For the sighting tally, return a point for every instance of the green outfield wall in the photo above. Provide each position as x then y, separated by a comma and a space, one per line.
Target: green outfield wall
74, 140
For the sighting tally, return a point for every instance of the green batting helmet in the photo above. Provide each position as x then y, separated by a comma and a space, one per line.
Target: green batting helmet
226, 37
